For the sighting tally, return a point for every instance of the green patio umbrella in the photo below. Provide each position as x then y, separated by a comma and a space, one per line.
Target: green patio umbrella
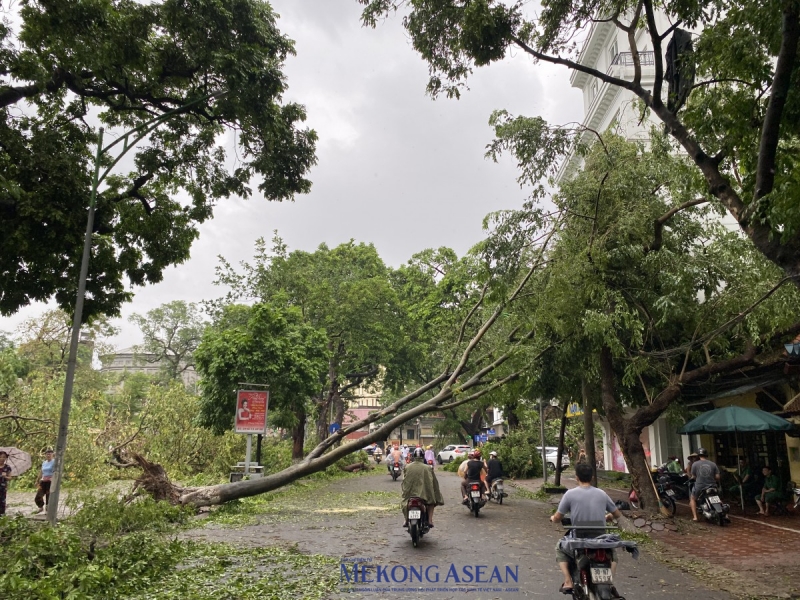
735, 419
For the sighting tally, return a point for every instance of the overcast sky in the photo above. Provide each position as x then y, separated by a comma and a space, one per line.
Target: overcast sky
395, 168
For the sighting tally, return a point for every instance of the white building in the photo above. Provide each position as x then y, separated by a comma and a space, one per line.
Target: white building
128, 360
606, 49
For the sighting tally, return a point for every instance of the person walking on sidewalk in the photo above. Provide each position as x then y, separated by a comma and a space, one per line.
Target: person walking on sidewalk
5, 477
43, 482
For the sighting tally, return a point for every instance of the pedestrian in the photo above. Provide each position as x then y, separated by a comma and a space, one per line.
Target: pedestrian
582, 456
5, 477
43, 481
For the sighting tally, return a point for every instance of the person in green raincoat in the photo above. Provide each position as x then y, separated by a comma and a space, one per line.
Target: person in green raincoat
419, 481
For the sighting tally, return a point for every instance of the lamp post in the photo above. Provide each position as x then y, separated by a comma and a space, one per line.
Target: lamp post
128, 140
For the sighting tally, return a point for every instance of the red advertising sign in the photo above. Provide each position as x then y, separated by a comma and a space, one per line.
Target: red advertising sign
251, 411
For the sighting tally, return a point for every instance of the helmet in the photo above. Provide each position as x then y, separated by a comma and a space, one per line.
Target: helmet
702, 452
477, 453
418, 454
492, 453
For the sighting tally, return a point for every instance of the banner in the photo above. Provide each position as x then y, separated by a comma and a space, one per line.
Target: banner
251, 411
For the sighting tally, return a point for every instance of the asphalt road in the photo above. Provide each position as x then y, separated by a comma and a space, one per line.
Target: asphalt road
516, 537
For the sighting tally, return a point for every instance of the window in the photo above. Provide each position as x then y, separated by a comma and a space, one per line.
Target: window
410, 433
613, 51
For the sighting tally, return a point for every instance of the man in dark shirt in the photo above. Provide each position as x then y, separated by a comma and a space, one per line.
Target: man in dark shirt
475, 468
706, 475
494, 470
769, 493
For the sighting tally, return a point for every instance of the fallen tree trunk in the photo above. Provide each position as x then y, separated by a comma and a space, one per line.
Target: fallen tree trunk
356, 467
457, 385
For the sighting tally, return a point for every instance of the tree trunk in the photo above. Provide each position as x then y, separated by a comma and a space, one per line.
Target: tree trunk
588, 427
628, 437
511, 416
299, 435
562, 430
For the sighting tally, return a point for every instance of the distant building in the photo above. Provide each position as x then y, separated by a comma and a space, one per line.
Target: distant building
128, 360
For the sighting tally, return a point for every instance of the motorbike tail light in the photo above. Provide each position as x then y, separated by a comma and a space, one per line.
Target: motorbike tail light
475, 486
600, 555
416, 502
396, 464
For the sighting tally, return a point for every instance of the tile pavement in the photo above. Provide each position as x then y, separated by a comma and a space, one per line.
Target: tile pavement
758, 548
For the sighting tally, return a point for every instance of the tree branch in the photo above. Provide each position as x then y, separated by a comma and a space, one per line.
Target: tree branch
658, 224
781, 82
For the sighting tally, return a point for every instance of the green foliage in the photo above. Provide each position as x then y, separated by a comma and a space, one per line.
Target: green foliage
275, 346
112, 550
171, 334
125, 63
109, 516
48, 563
452, 467
518, 454
213, 571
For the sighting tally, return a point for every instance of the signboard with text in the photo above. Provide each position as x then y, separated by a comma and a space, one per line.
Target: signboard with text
251, 411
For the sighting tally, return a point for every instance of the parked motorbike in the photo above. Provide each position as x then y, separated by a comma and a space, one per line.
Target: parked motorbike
591, 570
417, 520
712, 507
497, 494
396, 471
680, 482
476, 499
796, 494
665, 493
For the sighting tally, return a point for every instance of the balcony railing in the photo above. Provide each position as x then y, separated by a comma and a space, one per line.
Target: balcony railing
625, 59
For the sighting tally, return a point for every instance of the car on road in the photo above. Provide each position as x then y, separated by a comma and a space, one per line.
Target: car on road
452, 452
551, 456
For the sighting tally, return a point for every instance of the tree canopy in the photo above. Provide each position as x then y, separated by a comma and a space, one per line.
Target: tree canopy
268, 345
740, 123
70, 65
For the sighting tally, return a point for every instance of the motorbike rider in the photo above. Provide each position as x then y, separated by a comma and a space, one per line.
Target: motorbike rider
377, 454
394, 457
585, 504
430, 457
705, 474
494, 470
473, 472
404, 453
420, 482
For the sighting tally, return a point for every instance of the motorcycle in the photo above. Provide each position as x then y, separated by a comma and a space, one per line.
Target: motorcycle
712, 507
475, 497
377, 456
417, 520
796, 494
395, 471
591, 567
497, 494
680, 482
665, 493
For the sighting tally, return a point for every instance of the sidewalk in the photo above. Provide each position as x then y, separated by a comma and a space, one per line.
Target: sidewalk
752, 557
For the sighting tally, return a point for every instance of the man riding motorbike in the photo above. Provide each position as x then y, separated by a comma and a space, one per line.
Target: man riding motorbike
392, 457
473, 471
586, 505
420, 482
494, 470
706, 475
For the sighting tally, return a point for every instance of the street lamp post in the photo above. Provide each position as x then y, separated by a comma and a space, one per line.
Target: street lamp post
128, 141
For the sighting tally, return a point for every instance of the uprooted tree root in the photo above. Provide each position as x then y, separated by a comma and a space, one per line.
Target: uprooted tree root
155, 482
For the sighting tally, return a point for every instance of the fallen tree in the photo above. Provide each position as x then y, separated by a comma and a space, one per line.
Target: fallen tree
468, 376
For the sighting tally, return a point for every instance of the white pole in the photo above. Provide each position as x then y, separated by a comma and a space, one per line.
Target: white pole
247, 454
